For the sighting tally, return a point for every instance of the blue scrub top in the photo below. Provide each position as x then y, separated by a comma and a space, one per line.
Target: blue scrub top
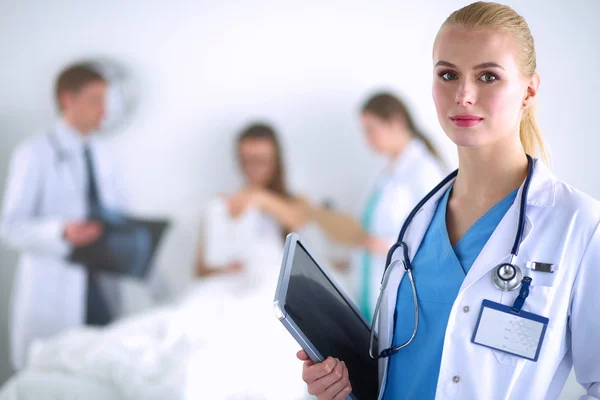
439, 270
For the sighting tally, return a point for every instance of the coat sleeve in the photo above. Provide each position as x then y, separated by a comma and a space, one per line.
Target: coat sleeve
400, 200
584, 322
20, 227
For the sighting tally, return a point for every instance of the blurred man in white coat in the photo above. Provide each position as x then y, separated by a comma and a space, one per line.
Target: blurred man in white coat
57, 182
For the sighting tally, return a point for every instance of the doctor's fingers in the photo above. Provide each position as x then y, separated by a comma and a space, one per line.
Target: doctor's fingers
94, 229
314, 371
322, 385
303, 356
81, 234
91, 233
339, 390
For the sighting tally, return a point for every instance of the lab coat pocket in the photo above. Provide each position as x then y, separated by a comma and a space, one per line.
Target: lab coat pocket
506, 358
539, 299
539, 278
538, 302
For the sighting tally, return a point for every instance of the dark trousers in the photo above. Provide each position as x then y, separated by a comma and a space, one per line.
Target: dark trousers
97, 309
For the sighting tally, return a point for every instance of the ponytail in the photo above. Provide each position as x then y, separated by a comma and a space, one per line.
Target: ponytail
531, 135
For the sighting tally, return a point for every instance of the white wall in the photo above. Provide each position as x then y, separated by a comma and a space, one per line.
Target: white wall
206, 68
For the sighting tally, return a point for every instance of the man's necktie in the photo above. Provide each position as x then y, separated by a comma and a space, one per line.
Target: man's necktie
98, 312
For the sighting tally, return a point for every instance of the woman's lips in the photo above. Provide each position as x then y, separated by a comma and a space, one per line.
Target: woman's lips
466, 120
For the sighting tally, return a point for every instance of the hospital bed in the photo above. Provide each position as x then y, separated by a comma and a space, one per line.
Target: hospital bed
217, 340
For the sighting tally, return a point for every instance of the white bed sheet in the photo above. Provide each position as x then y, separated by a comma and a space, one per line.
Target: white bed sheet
219, 341
53, 385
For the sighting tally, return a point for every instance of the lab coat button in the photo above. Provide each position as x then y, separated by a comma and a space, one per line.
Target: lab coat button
466, 309
456, 379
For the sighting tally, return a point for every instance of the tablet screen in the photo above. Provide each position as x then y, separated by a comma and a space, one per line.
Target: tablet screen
330, 323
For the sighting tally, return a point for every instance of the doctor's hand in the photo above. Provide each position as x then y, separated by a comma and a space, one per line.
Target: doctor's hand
327, 380
82, 233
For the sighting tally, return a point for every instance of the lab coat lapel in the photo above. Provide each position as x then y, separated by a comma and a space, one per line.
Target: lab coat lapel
65, 162
499, 246
420, 223
413, 237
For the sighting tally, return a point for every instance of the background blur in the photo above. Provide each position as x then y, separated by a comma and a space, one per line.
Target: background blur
206, 69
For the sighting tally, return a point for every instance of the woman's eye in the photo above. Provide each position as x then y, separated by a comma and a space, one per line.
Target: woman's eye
448, 76
488, 78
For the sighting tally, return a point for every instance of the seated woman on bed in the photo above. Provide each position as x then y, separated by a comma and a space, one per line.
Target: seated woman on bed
263, 207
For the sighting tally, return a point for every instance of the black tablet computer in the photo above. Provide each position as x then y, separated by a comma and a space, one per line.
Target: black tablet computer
322, 319
126, 247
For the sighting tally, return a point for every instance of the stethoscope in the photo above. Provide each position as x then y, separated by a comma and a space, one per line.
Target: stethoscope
60, 155
506, 276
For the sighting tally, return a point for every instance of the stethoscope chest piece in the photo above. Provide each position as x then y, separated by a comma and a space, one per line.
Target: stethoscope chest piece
507, 277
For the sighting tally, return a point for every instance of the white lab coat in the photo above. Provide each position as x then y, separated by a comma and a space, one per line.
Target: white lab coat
406, 181
561, 228
46, 187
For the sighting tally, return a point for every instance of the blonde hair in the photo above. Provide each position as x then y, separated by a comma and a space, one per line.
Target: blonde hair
498, 16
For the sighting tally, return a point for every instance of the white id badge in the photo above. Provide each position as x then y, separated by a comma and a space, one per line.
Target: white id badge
502, 328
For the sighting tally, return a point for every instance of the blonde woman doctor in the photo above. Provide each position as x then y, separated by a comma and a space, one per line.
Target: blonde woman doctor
414, 167
503, 257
